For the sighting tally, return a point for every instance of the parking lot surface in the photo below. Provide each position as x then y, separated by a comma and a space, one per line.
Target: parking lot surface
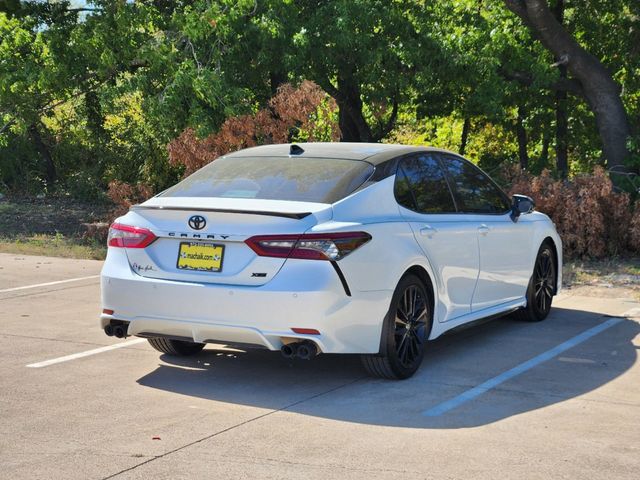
557, 399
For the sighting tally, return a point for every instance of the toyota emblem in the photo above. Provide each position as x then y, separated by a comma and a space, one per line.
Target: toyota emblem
197, 222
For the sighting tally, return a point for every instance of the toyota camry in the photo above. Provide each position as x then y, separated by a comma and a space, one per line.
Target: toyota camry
370, 249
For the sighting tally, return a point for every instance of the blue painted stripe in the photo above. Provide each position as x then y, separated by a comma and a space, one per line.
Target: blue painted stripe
523, 367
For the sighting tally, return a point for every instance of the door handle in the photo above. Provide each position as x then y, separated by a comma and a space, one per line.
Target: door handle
428, 231
483, 230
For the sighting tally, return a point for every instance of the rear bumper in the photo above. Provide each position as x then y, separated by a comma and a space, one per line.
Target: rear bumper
304, 294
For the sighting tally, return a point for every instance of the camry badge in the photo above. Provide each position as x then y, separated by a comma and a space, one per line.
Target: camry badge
197, 222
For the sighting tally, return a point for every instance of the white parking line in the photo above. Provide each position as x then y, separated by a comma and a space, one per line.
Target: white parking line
523, 367
88, 353
15, 289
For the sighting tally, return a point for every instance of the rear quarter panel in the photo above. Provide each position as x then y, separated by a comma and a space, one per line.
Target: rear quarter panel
380, 264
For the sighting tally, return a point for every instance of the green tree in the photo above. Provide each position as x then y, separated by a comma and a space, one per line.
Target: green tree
365, 54
52, 58
596, 83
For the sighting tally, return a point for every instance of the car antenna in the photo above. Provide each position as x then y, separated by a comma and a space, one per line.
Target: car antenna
296, 150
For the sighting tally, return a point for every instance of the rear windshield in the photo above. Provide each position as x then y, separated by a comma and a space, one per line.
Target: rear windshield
320, 180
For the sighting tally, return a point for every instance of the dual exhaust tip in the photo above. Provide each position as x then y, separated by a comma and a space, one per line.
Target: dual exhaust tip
304, 350
118, 331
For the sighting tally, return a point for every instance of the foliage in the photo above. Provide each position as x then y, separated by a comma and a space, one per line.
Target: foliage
366, 58
592, 218
124, 195
302, 113
96, 96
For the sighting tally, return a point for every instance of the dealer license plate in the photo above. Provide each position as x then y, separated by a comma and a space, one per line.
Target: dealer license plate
204, 257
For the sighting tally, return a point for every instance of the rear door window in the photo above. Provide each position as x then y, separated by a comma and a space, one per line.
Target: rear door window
421, 185
474, 191
320, 180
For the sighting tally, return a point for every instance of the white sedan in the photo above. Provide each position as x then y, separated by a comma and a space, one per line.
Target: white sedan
327, 248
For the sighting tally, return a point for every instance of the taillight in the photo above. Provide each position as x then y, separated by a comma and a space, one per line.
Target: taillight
310, 246
126, 236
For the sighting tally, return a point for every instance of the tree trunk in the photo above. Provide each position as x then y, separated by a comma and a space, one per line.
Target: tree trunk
562, 123
466, 127
45, 153
276, 79
95, 118
544, 155
348, 130
353, 125
351, 116
600, 90
562, 130
521, 134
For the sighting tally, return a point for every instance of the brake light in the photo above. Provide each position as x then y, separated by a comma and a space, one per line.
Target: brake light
126, 236
309, 246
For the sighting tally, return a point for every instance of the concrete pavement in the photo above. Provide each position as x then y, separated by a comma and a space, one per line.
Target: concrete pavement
133, 413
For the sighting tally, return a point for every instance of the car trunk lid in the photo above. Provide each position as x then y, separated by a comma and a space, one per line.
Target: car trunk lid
227, 224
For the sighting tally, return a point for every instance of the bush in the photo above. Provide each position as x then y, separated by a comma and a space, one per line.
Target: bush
592, 218
124, 195
304, 112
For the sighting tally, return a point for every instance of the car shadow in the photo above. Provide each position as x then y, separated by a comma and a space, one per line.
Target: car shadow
336, 386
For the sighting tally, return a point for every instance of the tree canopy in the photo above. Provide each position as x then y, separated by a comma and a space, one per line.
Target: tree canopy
92, 92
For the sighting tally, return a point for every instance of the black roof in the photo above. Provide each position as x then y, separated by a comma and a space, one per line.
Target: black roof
375, 153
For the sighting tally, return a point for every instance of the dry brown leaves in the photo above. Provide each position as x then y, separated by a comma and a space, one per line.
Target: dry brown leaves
290, 109
124, 195
592, 219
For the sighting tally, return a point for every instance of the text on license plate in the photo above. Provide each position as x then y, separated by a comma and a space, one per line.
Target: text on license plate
206, 257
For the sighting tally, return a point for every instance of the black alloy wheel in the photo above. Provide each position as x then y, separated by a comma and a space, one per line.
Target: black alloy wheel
410, 325
542, 287
405, 332
544, 281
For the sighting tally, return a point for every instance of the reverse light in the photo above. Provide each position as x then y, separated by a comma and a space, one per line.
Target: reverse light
309, 246
126, 236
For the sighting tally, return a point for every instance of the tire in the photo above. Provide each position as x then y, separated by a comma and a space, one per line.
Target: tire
541, 287
175, 347
405, 332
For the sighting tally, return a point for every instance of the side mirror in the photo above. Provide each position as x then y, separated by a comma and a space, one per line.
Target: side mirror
521, 204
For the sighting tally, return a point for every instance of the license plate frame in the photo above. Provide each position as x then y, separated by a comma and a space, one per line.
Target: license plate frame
216, 249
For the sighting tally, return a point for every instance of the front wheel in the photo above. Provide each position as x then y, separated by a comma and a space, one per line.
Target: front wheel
404, 333
179, 348
541, 287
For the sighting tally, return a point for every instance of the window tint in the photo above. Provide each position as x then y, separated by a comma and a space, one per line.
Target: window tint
323, 180
403, 192
474, 191
421, 185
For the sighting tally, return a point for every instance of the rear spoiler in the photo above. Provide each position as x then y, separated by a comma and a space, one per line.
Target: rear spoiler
295, 216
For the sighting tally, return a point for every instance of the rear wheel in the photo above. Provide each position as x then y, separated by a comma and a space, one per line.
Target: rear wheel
404, 333
175, 347
541, 287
